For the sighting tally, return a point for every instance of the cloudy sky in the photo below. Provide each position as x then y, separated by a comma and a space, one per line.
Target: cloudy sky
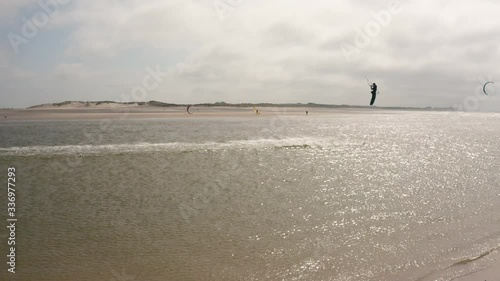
420, 53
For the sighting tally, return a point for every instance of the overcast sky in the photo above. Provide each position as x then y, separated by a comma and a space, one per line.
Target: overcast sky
420, 53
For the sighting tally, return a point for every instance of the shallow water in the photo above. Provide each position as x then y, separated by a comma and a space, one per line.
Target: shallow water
386, 196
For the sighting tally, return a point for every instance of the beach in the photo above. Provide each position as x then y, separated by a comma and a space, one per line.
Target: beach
232, 140
132, 112
225, 194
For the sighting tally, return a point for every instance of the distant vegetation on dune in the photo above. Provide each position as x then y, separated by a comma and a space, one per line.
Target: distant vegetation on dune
83, 104
88, 103
224, 104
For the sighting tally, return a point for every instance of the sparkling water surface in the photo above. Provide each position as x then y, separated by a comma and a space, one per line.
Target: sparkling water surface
358, 196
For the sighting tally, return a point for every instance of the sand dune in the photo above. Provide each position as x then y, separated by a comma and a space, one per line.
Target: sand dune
86, 105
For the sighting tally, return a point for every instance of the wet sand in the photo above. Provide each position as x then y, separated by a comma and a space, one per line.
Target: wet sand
489, 274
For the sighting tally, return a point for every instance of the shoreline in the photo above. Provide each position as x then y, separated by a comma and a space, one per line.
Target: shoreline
176, 112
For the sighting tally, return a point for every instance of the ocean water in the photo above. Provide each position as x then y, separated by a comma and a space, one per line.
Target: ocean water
366, 195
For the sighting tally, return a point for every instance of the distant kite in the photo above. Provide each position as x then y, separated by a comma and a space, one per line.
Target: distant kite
484, 86
187, 109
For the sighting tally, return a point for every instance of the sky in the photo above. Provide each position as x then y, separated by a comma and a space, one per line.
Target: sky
420, 53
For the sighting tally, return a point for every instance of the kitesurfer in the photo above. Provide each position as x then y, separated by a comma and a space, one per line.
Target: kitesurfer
374, 93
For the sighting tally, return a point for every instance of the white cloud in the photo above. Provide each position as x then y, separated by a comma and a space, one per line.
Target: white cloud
9, 9
279, 51
107, 27
3, 59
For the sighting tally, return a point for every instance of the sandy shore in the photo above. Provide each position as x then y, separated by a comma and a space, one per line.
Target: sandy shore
170, 112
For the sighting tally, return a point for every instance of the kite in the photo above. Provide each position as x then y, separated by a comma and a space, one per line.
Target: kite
484, 86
